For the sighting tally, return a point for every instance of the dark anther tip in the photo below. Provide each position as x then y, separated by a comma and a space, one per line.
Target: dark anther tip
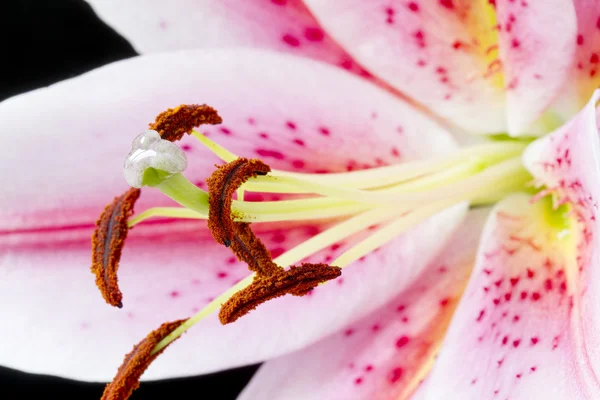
227, 242
120, 305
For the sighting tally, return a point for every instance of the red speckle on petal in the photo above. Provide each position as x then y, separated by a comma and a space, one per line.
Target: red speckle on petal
291, 40
414, 7
523, 295
535, 296
324, 131
279, 2
395, 375
263, 135
534, 341
548, 284
314, 34
348, 332
420, 36
174, 294
480, 316
299, 164
457, 45
444, 302
402, 341
594, 58
225, 131
580, 40
516, 343
449, 4
369, 368
530, 273
299, 142
270, 153
358, 381
504, 340
515, 43
221, 274
291, 125
563, 286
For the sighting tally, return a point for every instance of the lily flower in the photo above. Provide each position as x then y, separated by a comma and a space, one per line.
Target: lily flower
439, 295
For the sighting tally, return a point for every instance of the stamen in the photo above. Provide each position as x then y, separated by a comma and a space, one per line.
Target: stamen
250, 249
174, 122
108, 241
135, 363
297, 281
221, 186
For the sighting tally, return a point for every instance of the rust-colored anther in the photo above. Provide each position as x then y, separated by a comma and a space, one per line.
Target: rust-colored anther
108, 241
250, 249
297, 281
223, 182
135, 363
173, 123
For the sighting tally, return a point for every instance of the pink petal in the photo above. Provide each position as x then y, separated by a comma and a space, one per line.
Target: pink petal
451, 55
585, 69
281, 25
69, 141
386, 354
68, 144
66, 328
513, 331
436, 52
537, 46
530, 314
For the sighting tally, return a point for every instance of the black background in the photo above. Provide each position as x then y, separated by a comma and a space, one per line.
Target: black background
45, 41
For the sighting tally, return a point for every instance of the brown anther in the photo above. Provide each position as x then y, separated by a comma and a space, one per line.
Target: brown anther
223, 182
173, 123
250, 249
135, 363
107, 242
297, 281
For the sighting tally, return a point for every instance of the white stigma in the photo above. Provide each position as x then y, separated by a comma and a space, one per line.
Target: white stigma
148, 150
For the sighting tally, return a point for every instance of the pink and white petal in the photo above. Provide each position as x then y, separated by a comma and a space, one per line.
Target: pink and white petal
386, 354
280, 25
515, 327
585, 69
567, 162
72, 137
294, 113
63, 327
530, 313
537, 43
442, 54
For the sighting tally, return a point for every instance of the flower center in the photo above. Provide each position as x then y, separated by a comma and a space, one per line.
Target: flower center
395, 198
